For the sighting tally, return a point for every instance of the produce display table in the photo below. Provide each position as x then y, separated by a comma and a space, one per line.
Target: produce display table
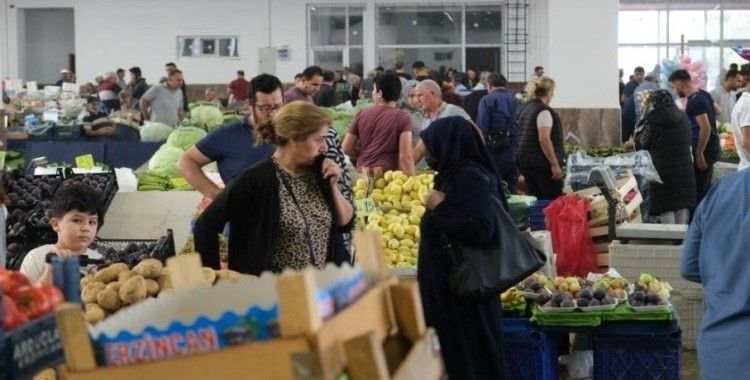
148, 214
381, 335
129, 154
595, 318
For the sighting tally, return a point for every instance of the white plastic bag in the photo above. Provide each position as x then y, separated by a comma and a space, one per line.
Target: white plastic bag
127, 182
580, 364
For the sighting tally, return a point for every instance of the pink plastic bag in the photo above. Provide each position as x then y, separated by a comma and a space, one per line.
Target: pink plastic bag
567, 222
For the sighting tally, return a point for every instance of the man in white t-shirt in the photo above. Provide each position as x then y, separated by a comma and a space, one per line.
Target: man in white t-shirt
741, 128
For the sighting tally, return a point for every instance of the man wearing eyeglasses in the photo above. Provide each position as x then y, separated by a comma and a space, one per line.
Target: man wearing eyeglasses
233, 147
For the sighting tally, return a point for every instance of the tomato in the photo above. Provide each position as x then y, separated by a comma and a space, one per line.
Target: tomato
11, 281
53, 294
12, 318
32, 302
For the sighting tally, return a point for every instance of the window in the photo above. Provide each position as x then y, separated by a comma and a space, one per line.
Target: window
650, 31
336, 36
207, 47
449, 36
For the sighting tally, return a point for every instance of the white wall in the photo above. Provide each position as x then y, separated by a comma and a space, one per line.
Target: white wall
49, 40
144, 33
581, 54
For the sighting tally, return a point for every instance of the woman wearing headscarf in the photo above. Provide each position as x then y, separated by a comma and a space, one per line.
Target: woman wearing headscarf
410, 104
460, 209
664, 131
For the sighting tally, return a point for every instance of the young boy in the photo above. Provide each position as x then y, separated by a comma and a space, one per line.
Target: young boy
74, 217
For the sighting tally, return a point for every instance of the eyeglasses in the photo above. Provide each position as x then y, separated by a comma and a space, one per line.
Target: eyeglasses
269, 108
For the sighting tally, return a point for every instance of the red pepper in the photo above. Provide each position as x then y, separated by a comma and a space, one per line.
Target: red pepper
32, 302
12, 318
11, 281
54, 296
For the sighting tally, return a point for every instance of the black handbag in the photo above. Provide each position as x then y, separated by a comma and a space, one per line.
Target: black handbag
498, 141
481, 273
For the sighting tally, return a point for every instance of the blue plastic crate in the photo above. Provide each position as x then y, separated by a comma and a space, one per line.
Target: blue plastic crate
530, 353
637, 351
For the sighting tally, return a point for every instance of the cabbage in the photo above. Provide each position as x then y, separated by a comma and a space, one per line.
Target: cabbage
185, 137
207, 117
164, 161
155, 132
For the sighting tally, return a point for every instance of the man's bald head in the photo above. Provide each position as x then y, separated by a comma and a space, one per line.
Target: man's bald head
429, 95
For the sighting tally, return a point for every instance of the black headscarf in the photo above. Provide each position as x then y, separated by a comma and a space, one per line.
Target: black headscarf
453, 141
656, 102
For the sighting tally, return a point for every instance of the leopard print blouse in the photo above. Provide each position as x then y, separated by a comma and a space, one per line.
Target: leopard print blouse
313, 216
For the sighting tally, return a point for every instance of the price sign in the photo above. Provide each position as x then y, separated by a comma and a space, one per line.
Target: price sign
365, 207
85, 162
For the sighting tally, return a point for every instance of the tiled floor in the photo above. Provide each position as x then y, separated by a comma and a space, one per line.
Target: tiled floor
690, 369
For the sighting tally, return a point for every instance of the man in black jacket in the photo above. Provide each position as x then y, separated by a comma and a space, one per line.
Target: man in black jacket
326, 96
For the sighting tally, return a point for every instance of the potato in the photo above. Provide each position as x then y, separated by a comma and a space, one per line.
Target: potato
165, 282
124, 275
209, 275
109, 300
87, 279
152, 287
133, 290
110, 273
149, 268
115, 285
89, 293
228, 275
93, 313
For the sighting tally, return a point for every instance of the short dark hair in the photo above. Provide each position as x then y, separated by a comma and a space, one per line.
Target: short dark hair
379, 68
135, 70
173, 72
538, 68
241, 72
390, 86
418, 65
74, 196
265, 83
120, 70
328, 76
171, 64
745, 69
399, 65
497, 80
639, 69
297, 76
731, 74
681, 75
649, 78
733, 66
311, 72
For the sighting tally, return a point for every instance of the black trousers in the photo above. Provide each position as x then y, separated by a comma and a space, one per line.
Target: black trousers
703, 181
539, 182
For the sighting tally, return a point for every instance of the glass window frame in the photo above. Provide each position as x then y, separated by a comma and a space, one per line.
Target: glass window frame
667, 42
199, 51
344, 48
462, 46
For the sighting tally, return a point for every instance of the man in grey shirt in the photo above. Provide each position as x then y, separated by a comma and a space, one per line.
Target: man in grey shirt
430, 99
163, 103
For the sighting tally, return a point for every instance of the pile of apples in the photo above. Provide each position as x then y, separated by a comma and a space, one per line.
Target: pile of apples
399, 207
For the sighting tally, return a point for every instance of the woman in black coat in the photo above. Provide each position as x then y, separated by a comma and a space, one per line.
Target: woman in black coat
460, 209
664, 131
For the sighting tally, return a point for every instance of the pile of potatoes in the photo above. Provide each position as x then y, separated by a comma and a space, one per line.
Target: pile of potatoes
117, 286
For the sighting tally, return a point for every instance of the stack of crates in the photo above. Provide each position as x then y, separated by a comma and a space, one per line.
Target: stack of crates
663, 261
